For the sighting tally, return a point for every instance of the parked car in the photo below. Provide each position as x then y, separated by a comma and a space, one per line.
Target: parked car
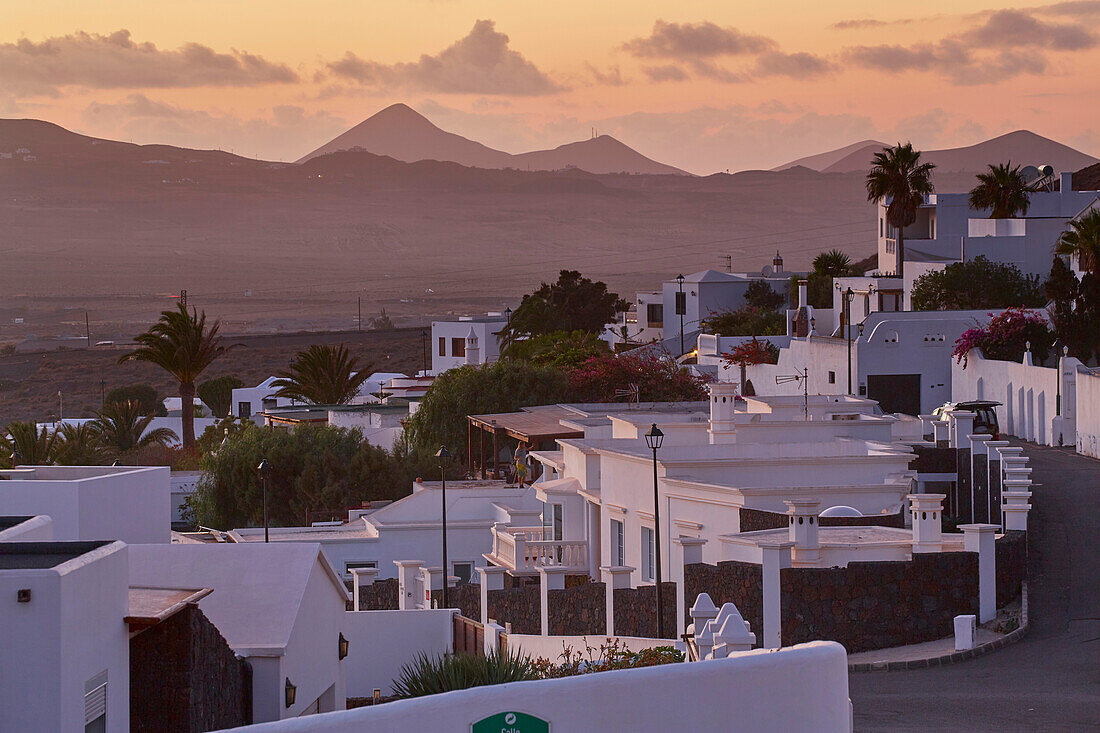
985, 420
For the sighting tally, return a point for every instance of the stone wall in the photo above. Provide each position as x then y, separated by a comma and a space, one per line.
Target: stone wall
579, 610
733, 582
933, 459
466, 598
184, 677
636, 610
381, 595
1011, 565
874, 605
522, 607
756, 519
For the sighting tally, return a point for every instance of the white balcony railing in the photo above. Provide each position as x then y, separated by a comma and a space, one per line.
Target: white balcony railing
523, 550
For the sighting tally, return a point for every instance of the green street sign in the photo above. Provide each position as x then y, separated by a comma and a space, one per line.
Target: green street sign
511, 722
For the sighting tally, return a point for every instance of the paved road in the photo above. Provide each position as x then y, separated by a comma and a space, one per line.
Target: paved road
1049, 681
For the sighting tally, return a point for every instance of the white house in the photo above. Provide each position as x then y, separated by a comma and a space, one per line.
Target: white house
410, 528
902, 360
712, 467
468, 340
280, 606
249, 401
948, 230
64, 644
128, 503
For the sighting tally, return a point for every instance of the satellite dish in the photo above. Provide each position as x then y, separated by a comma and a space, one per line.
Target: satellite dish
1046, 170
1030, 173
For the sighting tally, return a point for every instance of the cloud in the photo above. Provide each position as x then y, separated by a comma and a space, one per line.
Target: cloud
284, 128
479, 63
794, 65
613, 77
666, 72
116, 61
1018, 29
1074, 8
863, 23
696, 40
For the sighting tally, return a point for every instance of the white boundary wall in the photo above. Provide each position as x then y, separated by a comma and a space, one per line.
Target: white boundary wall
551, 647
1088, 413
1028, 395
381, 642
799, 688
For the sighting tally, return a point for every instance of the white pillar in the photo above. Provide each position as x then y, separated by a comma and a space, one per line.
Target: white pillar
941, 432
409, 590
802, 519
614, 576
492, 578
733, 633
775, 557
431, 579
962, 425
550, 578
981, 538
927, 522
361, 577
686, 551
492, 638
1016, 508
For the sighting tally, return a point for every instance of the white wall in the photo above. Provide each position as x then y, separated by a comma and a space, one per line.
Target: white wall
70, 631
1028, 395
94, 503
35, 529
184, 483
381, 642
488, 342
1088, 413
799, 688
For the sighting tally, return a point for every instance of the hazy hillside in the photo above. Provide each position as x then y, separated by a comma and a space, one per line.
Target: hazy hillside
401, 133
1020, 147
822, 161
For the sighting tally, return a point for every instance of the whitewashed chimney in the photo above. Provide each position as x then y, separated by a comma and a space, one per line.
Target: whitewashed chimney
927, 510
722, 408
473, 349
802, 519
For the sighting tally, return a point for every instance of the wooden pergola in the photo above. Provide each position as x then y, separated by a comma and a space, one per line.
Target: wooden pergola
538, 427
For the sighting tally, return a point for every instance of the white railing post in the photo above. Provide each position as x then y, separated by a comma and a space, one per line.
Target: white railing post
492, 578
519, 540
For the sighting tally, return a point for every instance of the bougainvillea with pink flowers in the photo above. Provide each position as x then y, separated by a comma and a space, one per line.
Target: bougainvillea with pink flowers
658, 380
1006, 337
752, 352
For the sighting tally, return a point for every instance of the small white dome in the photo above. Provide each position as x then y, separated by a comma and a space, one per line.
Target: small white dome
841, 511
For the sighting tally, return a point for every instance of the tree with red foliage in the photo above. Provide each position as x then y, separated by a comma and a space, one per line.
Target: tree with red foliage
658, 380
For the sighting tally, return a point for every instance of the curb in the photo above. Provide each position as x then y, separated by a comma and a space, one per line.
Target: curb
955, 657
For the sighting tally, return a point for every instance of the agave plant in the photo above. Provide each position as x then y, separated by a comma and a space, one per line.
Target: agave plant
29, 445
122, 428
428, 675
323, 375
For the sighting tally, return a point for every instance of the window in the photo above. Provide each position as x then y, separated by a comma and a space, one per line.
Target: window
880, 227
464, 571
655, 314
244, 410
95, 703
832, 377
458, 347
649, 548
442, 346
358, 564
618, 553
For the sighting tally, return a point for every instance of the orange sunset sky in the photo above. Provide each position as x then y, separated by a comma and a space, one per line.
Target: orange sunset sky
705, 86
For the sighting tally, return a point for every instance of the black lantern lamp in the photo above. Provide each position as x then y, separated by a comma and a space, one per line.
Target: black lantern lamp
344, 644
290, 693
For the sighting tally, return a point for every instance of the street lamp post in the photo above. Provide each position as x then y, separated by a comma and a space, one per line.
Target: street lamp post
681, 308
264, 469
424, 348
653, 439
443, 455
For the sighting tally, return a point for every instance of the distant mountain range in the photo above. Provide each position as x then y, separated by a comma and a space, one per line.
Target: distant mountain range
1021, 147
404, 134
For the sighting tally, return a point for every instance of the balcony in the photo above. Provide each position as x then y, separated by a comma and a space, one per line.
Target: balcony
523, 550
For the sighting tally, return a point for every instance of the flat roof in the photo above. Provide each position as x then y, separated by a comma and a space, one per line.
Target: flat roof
533, 424
43, 555
149, 606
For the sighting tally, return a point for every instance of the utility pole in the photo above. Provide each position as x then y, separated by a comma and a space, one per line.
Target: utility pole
359, 318
681, 309
87, 330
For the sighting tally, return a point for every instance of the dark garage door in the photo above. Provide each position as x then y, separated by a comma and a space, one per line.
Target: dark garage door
895, 392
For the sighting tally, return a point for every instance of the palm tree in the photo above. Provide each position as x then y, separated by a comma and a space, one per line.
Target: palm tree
1082, 240
122, 428
833, 263
33, 447
182, 345
322, 375
81, 445
898, 176
1003, 190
